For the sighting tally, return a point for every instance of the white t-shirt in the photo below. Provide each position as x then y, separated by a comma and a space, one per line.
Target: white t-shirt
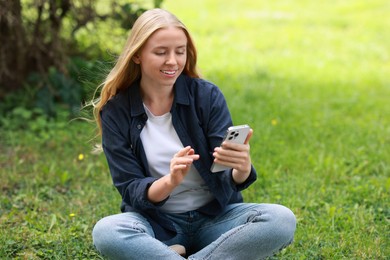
161, 142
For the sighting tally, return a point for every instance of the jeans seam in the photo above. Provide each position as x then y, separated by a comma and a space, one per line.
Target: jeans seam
137, 227
226, 238
249, 219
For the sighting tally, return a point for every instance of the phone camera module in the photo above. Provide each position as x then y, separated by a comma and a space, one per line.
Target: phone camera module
233, 135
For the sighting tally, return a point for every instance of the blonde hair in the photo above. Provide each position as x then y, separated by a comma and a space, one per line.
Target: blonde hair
126, 71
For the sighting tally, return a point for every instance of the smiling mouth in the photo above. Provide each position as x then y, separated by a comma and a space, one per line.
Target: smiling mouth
169, 72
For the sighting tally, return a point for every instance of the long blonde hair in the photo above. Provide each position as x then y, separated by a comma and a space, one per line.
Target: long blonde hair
125, 71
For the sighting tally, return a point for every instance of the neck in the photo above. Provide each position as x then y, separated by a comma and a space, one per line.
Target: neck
158, 100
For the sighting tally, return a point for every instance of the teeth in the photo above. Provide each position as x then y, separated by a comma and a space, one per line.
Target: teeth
169, 72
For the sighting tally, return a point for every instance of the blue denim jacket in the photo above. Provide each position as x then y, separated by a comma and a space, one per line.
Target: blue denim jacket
200, 117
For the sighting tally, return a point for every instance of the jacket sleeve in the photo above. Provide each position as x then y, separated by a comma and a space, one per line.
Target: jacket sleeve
219, 120
127, 173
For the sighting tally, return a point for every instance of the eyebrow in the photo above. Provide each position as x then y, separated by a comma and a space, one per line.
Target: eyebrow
163, 47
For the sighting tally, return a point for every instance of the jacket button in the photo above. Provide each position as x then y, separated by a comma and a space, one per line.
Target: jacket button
139, 126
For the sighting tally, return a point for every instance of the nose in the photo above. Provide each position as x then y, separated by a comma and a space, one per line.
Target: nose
171, 59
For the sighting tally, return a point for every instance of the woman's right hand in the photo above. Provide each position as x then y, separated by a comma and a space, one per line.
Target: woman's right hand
181, 164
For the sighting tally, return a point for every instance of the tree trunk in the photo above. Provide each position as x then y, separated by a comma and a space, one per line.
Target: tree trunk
34, 43
13, 47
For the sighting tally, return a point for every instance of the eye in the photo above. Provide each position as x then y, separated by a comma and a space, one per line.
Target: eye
160, 53
181, 52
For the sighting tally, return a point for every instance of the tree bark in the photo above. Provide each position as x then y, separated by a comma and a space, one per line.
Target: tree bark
13, 47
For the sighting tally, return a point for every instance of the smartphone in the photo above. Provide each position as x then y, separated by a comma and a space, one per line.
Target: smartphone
235, 134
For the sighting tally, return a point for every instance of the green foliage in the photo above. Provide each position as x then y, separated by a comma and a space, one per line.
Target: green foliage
49, 199
59, 43
312, 81
44, 97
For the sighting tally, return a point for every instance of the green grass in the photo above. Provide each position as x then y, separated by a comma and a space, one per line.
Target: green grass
310, 77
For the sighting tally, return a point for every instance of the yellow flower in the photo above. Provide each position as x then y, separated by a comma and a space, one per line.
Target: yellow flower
80, 157
274, 122
72, 215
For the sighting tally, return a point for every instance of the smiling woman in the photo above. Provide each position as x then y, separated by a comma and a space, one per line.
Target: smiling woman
128, 68
162, 129
162, 60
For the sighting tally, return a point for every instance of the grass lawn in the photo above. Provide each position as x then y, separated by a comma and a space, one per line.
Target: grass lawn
312, 80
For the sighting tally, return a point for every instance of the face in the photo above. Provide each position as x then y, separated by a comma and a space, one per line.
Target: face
163, 57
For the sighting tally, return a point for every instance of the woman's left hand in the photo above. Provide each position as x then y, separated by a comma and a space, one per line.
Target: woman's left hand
236, 156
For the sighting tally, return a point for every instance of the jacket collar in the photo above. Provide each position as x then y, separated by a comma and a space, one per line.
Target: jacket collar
182, 90
135, 99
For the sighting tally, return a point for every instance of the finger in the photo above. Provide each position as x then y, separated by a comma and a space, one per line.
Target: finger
249, 136
231, 159
191, 152
240, 160
183, 151
180, 167
228, 146
234, 165
229, 155
194, 157
184, 160
181, 161
227, 152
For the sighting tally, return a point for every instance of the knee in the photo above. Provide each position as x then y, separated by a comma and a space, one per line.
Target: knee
285, 221
280, 219
102, 234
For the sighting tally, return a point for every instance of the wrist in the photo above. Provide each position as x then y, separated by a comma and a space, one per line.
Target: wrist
240, 177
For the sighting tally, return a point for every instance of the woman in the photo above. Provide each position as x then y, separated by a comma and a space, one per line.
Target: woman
162, 128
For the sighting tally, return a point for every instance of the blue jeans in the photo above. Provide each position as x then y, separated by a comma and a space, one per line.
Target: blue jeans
242, 231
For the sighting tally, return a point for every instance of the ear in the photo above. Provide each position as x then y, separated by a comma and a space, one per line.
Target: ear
136, 59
